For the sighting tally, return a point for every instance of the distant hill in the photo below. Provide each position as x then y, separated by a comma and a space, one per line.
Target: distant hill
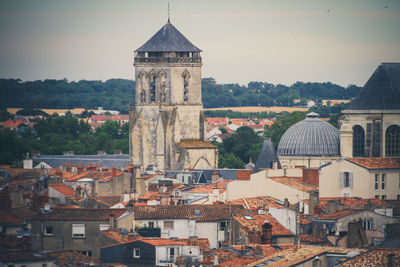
116, 94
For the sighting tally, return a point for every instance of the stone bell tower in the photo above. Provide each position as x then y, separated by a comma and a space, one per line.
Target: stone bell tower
167, 123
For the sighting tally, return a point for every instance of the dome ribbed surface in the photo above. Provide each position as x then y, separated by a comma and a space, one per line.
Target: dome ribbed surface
310, 137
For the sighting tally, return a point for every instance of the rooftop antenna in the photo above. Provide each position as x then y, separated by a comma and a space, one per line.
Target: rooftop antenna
168, 9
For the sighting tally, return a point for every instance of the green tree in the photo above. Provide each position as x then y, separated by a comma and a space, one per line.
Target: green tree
282, 123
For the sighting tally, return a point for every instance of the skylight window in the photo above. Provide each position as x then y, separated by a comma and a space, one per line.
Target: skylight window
247, 217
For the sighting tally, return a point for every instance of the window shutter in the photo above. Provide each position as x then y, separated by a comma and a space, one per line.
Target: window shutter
78, 230
341, 180
350, 179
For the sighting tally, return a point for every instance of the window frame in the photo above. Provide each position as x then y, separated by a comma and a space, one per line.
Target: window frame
168, 228
367, 224
134, 254
104, 226
47, 233
376, 181
383, 181
77, 226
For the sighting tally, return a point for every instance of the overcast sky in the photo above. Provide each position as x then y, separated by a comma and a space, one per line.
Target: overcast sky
272, 41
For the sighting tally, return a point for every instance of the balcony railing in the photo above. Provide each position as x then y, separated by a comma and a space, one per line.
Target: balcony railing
167, 60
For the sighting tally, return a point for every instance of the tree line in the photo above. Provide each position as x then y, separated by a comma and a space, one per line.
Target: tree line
53, 135
116, 94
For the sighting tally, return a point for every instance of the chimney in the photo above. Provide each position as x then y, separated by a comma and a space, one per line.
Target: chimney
130, 168
111, 222
254, 236
5, 200
332, 206
286, 203
164, 200
314, 201
275, 165
390, 260
113, 172
163, 189
193, 240
214, 176
266, 235
311, 176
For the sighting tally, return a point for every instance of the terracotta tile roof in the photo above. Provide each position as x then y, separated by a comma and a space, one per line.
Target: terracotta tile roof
223, 254
80, 214
295, 182
14, 242
221, 185
374, 257
353, 202
8, 218
61, 173
311, 239
63, 189
13, 123
257, 222
109, 117
238, 261
203, 243
266, 249
376, 163
298, 254
213, 212
72, 258
22, 173
121, 238
22, 256
338, 214
163, 242
23, 213
101, 176
257, 203
195, 144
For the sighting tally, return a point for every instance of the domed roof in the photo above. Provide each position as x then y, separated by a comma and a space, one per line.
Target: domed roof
310, 137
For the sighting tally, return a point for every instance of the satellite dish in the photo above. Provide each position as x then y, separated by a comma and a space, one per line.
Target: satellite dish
47, 207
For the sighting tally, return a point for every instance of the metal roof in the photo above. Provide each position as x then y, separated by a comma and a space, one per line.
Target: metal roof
168, 39
267, 156
382, 91
310, 137
55, 161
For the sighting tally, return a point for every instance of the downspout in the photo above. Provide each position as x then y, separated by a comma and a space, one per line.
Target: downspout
62, 235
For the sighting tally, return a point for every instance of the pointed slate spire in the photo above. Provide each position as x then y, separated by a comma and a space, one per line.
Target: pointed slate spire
168, 39
382, 91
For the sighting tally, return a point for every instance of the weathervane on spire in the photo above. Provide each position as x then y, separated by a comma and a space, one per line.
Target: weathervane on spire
168, 9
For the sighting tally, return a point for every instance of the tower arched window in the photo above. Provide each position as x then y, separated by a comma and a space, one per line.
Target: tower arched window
152, 87
143, 96
186, 77
392, 138
358, 141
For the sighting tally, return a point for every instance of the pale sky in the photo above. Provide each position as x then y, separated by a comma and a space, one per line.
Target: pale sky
340, 41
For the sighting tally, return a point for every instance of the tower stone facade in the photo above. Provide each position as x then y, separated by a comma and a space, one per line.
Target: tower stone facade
167, 124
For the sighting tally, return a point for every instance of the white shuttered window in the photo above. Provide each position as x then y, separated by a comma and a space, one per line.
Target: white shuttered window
78, 230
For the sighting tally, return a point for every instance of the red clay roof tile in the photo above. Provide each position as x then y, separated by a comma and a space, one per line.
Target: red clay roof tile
377, 163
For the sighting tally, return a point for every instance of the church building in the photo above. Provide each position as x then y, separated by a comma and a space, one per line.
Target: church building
370, 126
167, 124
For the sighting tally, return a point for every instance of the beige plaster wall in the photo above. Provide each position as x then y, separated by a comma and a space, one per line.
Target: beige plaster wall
260, 185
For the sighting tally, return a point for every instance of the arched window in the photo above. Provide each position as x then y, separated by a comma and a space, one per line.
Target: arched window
186, 77
152, 87
358, 141
143, 96
392, 137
